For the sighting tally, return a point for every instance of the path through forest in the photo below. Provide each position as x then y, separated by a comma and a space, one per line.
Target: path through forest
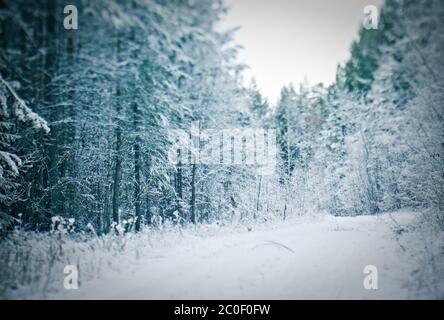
323, 259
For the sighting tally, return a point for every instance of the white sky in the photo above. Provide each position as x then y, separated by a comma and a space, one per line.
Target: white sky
291, 40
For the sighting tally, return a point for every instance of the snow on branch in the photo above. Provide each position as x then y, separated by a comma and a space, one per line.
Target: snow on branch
21, 110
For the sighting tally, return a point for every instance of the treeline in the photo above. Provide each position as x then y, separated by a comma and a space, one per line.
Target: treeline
111, 93
373, 141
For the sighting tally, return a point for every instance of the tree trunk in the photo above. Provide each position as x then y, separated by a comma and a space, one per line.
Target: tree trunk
118, 151
258, 197
137, 169
179, 178
193, 193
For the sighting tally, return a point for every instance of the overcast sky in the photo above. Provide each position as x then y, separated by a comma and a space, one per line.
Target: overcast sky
292, 40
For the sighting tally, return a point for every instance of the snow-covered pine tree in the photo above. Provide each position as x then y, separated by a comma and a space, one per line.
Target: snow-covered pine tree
14, 114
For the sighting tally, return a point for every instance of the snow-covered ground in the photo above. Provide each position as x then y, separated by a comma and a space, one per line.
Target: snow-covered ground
323, 259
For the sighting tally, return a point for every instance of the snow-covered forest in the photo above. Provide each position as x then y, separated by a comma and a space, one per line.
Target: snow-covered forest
88, 119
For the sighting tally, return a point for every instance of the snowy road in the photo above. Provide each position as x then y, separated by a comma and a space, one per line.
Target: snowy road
319, 260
